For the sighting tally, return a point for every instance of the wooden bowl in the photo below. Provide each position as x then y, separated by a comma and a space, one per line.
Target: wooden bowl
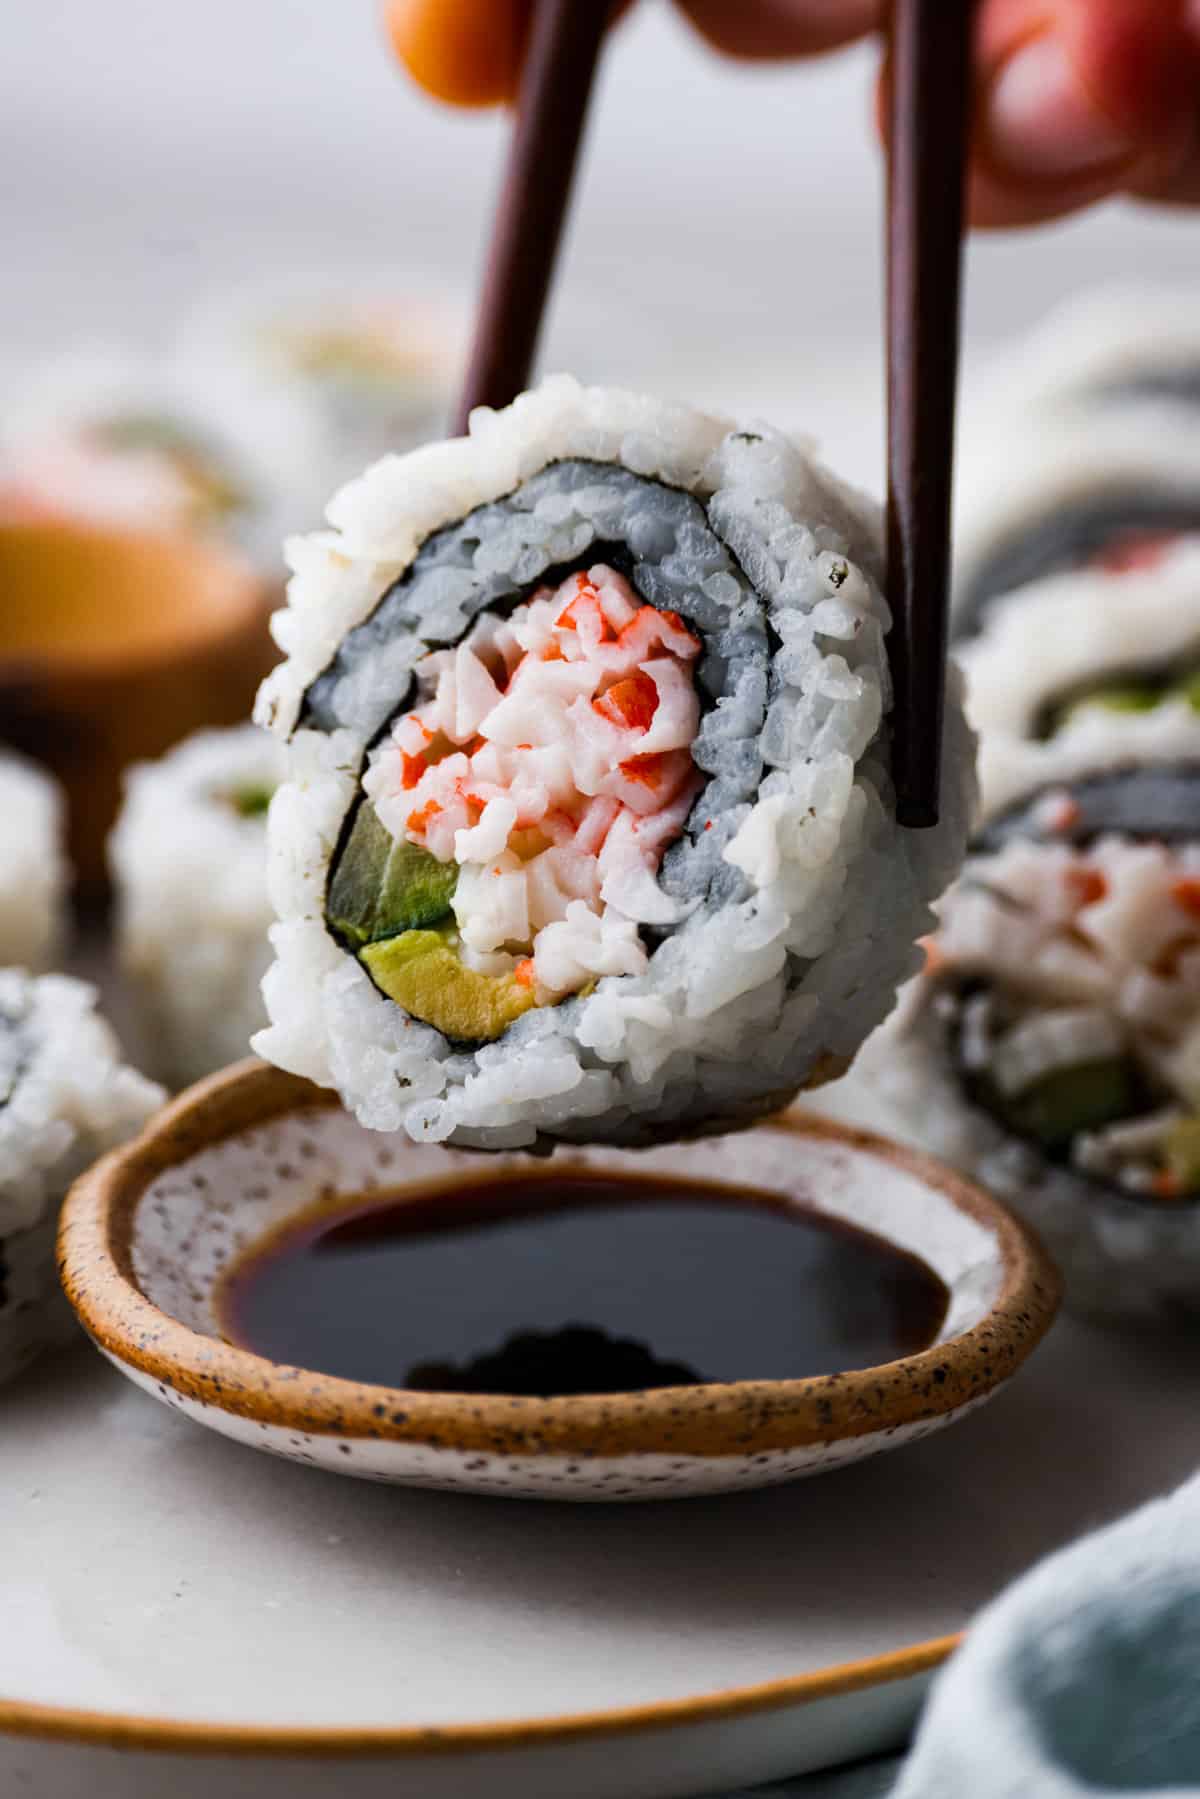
113, 645
147, 1236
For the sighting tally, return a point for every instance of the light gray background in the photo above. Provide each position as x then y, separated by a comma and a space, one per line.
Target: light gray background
725, 241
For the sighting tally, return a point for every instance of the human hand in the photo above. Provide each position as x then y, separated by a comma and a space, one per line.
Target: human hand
1076, 100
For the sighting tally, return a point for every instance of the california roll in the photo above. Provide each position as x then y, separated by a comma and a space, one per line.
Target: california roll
589, 829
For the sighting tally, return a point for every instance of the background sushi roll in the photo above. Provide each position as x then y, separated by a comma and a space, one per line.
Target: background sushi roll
1043, 496
33, 867
1083, 669
589, 828
325, 376
65, 1098
1106, 347
188, 857
108, 436
1052, 1048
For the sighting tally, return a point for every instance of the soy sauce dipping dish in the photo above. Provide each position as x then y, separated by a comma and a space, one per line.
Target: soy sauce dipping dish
154, 1238
114, 643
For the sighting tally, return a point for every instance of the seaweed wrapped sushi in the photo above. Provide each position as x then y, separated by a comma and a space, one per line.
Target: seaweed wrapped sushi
65, 1098
1050, 496
189, 861
324, 377
34, 875
100, 434
1052, 1048
1083, 669
589, 830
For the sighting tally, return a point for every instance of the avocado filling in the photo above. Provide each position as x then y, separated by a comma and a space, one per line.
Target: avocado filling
507, 844
252, 800
1069, 981
1143, 693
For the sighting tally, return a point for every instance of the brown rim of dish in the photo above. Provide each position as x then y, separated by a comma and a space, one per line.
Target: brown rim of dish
195, 629
709, 1420
120, 1730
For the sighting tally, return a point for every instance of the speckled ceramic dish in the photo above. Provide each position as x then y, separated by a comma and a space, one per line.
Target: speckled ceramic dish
147, 1234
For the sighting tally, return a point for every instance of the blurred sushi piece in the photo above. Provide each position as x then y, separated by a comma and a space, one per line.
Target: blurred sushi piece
34, 874
1081, 669
65, 1098
1084, 448
1052, 1048
1108, 346
189, 864
103, 435
325, 377
1048, 496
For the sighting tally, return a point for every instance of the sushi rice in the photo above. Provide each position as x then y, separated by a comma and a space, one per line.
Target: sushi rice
689, 932
65, 1098
1116, 671
105, 435
1045, 496
323, 376
33, 867
1052, 1048
1105, 347
188, 858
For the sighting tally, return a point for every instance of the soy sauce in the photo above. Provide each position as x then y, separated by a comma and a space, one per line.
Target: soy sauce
577, 1283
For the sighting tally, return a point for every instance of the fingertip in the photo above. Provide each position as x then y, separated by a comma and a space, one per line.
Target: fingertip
466, 52
768, 29
1072, 96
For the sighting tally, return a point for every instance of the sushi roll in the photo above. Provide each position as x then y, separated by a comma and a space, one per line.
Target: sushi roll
1106, 347
104, 436
33, 867
1052, 1048
325, 377
589, 832
1116, 670
1051, 496
65, 1098
1083, 447
117, 439
188, 857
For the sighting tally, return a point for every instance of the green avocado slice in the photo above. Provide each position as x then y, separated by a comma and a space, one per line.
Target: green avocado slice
1130, 698
1188, 689
421, 972
381, 887
252, 801
1054, 1110
1183, 1153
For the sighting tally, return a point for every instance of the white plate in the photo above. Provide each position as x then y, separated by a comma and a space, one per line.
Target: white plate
186, 1619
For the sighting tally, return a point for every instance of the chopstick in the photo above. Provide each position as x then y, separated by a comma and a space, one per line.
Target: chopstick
928, 119
556, 84
930, 50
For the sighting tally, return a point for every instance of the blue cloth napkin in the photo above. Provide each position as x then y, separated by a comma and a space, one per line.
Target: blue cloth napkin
1082, 1680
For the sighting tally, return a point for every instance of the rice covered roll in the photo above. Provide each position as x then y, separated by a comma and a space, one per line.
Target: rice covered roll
33, 868
1116, 670
1050, 496
65, 1098
1052, 1049
1106, 347
589, 830
104, 436
325, 377
188, 856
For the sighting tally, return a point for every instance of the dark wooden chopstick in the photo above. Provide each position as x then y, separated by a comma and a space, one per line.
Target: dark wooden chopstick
556, 84
928, 124
928, 115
